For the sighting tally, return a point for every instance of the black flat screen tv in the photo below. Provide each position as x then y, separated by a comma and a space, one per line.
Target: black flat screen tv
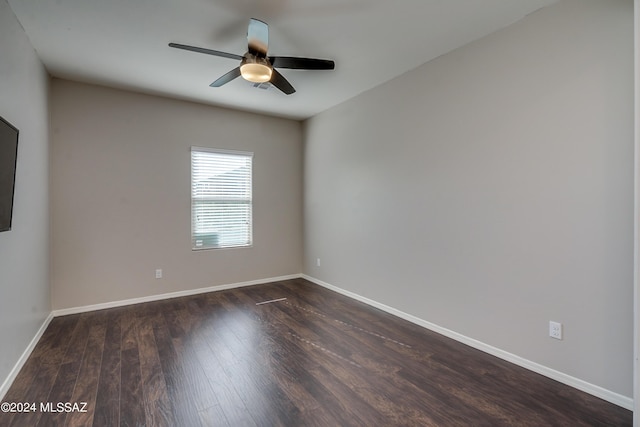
8, 161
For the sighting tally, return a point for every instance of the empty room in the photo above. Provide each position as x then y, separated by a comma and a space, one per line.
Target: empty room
319, 213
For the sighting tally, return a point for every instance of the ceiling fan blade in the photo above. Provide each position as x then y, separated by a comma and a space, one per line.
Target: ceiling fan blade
207, 51
301, 63
258, 37
226, 78
281, 83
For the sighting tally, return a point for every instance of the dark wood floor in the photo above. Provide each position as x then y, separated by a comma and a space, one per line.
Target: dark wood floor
316, 358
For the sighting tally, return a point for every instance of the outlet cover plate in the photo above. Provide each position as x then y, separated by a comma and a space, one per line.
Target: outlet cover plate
555, 330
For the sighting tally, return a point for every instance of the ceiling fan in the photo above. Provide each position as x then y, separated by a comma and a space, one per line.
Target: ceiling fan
256, 66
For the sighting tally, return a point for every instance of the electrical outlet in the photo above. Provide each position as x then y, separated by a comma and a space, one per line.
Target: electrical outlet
159, 273
318, 262
555, 330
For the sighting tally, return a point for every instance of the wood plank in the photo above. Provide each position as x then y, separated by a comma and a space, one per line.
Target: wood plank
107, 408
67, 376
158, 410
178, 391
132, 408
129, 327
241, 336
231, 404
86, 387
197, 388
132, 413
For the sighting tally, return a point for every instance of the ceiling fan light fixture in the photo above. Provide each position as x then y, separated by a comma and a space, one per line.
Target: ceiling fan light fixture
256, 73
255, 69
258, 68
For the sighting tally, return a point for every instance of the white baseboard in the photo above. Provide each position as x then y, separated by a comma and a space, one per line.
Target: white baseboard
150, 298
4, 388
602, 393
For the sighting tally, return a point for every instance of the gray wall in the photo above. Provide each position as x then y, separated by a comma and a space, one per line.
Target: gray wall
120, 195
636, 307
24, 251
491, 190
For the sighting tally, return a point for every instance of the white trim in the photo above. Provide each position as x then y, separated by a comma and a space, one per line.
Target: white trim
157, 297
4, 388
602, 393
222, 151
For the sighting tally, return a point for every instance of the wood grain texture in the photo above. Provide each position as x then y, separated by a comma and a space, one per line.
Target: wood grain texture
315, 358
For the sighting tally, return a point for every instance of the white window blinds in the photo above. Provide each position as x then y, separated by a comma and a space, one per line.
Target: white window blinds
221, 204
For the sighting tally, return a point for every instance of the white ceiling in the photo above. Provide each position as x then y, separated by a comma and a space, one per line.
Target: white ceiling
123, 43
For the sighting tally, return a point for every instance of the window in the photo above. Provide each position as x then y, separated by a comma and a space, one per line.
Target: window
221, 205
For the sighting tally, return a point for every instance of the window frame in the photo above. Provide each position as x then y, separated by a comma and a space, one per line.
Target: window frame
247, 201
